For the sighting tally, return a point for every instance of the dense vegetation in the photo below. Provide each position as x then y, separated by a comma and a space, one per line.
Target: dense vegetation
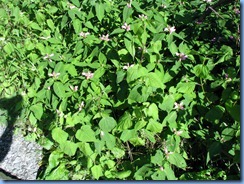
137, 90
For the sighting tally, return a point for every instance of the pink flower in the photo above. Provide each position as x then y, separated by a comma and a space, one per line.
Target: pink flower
84, 35
126, 27
182, 56
48, 56
105, 37
127, 66
74, 88
54, 74
81, 105
142, 16
88, 74
170, 29
178, 106
129, 4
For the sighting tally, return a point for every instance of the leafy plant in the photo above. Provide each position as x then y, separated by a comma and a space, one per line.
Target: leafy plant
126, 90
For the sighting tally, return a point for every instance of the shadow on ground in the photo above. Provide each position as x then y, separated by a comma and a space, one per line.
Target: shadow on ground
13, 106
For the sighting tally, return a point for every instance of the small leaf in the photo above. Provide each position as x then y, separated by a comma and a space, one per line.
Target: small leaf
59, 89
130, 47
177, 160
37, 110
128, 134
124, 122
68, 148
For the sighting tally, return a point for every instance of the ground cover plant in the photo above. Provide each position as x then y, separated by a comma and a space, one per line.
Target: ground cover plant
135, 90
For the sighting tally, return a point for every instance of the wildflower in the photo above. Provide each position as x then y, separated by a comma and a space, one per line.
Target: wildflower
84, 35
182, 56
178, 106
102, 133
170, 29
88, 74
127, 66
81, 105
105, 37
161, 168
237, 11
142, 16
208, 1
178, 132
45, 38
71, 6
228, 79
54, 74
60, 113
48, 56
164, 6
167, 153
129, 4
49, 88
74, 88
126, 27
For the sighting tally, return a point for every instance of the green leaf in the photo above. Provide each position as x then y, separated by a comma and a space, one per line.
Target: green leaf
35, 26
177, 160
109, 139
154, 126
228, 133
169, 172
59, 89
139, 94
152, 111
128, 134
215, 113
158, 158
53, 160
9, 48
69, 148
76, 3
124, 122
77, 26
213, 150
60, 173
51, 24
97, 171
186, 87
173, 48
85, 134
171, 119
127, 12
233, 110
201, 71
37, 110
130, 47
118, 153
107, 124
135, 72
99, 11
123, 174
59, 135
168, 103
155, 80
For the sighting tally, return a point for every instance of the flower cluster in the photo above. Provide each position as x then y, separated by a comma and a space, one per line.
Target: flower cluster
81, 105
54, 74
48, 56
142, 16
74, 88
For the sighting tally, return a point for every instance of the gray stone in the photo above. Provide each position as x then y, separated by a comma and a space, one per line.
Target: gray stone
18, 156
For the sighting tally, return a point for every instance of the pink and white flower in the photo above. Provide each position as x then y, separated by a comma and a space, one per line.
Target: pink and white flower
84, 34
179, 106
105, 37
81, 105
88, 74
74, 88
181, 56
126, 27
170, 29
54, 74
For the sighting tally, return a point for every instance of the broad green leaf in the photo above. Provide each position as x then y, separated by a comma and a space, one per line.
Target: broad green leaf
215, 114
158, 158
186, 87
173, 48
99, 11
124, 122
177, 160
169, 172
233, 110
157, 46
109, 139
154, 80
120, 76
37, 110
130, 47
76, 3
213, 150
53, 160
59, 173
154, 126
171, 119
201, 71
123, 174
139, 94
69, 148
35, 26
118, 153
59, 89
152, 111
85, 134
97, 171
9, 48
59, 135
228, 133
127, 12
168, 103
77, 26
107, 124
128, 134
141, 172
159, 175
135, 72
85, 148
51, 24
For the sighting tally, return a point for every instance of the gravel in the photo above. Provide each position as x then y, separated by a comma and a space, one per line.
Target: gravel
18, 157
